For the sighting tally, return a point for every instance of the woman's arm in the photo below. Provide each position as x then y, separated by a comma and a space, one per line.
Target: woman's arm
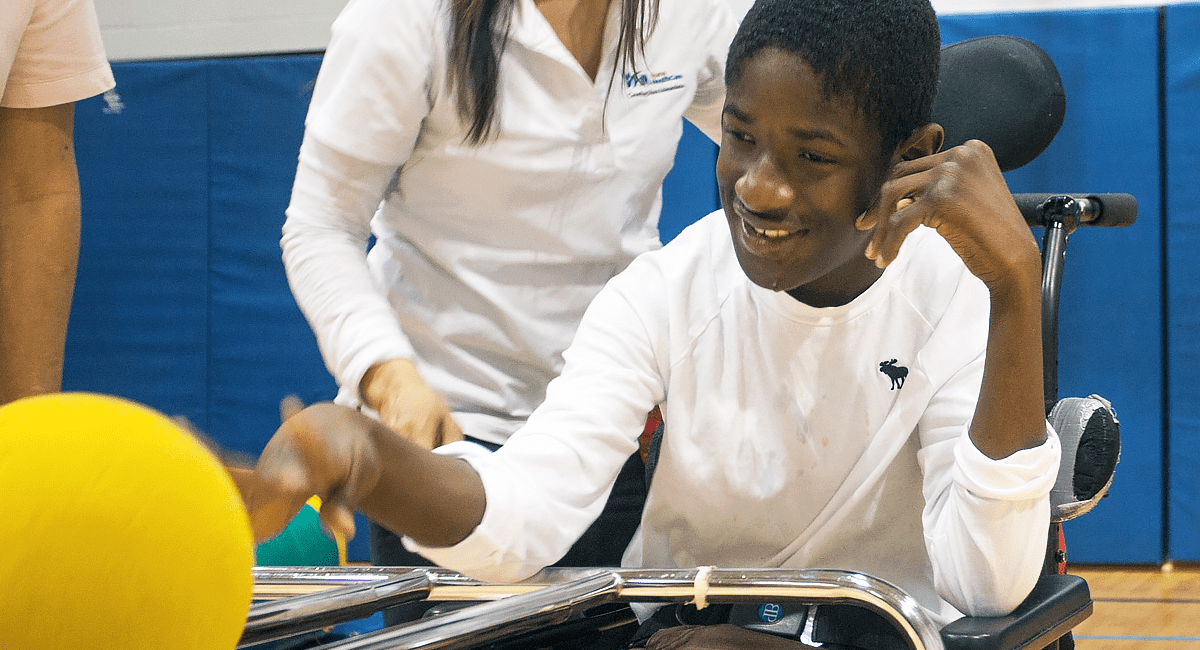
374, 90
324, 252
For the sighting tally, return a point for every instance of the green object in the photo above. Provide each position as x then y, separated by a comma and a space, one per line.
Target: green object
302, 543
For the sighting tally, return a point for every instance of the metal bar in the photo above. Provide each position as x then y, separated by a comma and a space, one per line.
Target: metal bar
555, 593
1060, 215
1054, 252
288, 617
478, 624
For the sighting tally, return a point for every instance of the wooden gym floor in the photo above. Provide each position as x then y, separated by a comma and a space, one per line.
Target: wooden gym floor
1141, 607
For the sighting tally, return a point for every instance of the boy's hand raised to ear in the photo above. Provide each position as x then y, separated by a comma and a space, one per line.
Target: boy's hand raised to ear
962, 194
355, 463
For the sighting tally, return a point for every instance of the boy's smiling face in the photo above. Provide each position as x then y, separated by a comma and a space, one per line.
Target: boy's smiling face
794, 171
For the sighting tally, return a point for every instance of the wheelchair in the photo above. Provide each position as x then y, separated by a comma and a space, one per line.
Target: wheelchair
579, 608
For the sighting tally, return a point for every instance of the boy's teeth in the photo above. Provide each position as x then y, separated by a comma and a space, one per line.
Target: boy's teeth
772, 233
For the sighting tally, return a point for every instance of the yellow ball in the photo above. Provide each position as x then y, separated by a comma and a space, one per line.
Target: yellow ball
119, 530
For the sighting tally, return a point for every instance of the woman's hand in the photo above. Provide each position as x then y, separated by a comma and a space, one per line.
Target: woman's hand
407, 405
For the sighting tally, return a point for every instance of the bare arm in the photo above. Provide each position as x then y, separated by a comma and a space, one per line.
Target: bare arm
39, 246
961, 193
355, 463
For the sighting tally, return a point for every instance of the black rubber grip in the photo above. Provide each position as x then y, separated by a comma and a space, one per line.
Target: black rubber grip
1108, 210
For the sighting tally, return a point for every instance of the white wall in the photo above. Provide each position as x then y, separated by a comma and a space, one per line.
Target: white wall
164, 29
1001, 6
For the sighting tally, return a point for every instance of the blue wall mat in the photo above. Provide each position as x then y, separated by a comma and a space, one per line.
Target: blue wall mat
261, 348
690, 189
1183, 293
1110, 323
139, 321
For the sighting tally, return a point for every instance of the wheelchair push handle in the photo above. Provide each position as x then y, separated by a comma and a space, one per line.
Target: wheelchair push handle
1108, 210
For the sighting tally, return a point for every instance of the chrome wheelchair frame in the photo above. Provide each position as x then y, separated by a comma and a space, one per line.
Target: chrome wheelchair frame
300, 600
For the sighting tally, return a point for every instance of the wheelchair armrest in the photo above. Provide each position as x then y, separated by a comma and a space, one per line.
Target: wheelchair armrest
1056, 604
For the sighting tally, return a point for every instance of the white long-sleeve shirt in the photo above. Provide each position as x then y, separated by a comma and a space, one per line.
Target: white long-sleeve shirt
786, 444
485, 257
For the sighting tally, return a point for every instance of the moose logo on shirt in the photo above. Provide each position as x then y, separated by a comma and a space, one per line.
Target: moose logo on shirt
894, 372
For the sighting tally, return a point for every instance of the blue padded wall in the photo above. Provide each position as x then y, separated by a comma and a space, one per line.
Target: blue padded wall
261, 348
1183, 294
139, 321
181, 302
1110, 320
689, 191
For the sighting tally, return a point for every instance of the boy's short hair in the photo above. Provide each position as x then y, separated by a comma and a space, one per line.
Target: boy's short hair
883, 53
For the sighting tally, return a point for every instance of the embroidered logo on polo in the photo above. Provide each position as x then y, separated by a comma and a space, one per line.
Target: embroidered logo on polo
640, 84
894, 372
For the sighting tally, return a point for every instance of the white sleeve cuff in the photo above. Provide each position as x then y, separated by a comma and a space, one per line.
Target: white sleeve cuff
1026, 474
481, 555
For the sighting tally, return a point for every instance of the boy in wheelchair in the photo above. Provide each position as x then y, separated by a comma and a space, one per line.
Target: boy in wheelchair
847, 358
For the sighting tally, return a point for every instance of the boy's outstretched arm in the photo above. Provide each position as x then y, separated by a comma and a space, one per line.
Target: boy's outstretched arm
355, 463
962, 194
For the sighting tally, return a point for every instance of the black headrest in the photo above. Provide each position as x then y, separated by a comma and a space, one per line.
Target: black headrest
1003, 90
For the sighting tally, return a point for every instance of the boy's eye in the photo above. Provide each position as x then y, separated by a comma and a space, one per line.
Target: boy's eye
816, 158
740, 136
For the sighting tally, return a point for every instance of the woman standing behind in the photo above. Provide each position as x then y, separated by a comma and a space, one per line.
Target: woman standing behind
507, 156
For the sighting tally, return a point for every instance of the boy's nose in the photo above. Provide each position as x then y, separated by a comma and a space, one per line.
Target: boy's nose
763, 188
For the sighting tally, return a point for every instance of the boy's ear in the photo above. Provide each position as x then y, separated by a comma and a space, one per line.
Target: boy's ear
925, 141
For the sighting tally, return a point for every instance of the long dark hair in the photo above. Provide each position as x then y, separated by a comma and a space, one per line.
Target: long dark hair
478, 36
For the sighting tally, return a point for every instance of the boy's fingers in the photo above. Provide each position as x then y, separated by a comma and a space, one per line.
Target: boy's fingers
867, 220
269, 509
269, 519
243, 479
337, 518
892, 229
